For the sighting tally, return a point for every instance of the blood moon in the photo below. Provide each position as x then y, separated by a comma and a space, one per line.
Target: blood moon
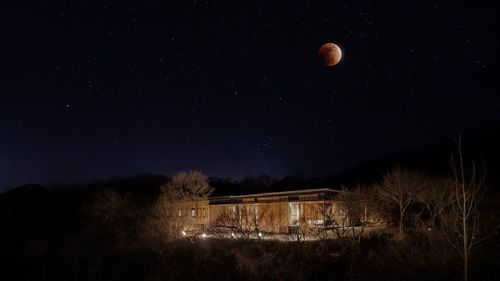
329, 54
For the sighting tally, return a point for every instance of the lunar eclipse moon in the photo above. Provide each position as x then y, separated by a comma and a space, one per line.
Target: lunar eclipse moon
329, 54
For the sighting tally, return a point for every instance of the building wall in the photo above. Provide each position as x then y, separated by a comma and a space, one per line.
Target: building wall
268, 217
190, 215
272, 217
274, 213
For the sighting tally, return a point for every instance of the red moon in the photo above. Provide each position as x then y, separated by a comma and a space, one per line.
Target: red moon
330, 54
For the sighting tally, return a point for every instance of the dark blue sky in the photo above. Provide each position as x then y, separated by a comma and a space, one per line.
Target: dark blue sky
92, 91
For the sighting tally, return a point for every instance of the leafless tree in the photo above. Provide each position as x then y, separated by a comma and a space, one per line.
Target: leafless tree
161, 225
190, 185
399, 187
374, 210
345, 215
236, 219
306, 227
436, 196
264, 219
354, 204
336, 219
462, 219
244, 219
166, 219
115, 214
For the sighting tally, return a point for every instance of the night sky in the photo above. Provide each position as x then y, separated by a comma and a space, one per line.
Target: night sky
93, 91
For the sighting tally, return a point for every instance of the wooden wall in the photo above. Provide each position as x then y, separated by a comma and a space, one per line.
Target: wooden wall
269, 217
193, 215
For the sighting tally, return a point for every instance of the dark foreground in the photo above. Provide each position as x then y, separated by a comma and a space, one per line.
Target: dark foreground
416, 257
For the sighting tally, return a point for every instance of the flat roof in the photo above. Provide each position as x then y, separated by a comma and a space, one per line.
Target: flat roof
277, 193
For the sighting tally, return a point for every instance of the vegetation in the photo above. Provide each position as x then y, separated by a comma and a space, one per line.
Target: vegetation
162, 225
443, 229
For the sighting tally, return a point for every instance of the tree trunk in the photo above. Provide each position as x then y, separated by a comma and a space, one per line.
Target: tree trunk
465, 221
466, 261
401, 215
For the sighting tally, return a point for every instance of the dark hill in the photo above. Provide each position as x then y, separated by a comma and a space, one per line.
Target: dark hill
35, 213
482, 148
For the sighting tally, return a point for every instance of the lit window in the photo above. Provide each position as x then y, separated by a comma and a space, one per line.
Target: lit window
180, 213
293, 213
235, 211
193, 212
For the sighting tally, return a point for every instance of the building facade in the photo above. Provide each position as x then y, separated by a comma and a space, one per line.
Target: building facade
284, 212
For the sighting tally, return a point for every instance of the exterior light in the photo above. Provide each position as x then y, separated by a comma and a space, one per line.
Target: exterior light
260, 234
204, 235
232, 234
183, 233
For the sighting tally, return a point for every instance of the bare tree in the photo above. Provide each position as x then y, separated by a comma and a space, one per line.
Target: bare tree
244, 219
462, 219
264, 219
167, 216
190, 185
305, 225
115, 215
374, 212
326, 212
354, 205
399, 187
160, 227
436, 196
236, 219
336, 219
343, 214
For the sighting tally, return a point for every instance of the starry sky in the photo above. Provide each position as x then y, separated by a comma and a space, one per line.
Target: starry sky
97, 90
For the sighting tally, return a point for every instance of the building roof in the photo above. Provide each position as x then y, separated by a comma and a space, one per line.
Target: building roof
236, 198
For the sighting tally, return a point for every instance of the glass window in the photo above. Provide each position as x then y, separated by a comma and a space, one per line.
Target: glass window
193, 212
293, 213
235, 211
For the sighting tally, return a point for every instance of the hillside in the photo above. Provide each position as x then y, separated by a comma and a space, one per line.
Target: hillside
482, 148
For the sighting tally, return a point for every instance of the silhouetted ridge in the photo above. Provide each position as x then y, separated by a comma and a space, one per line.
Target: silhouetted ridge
433, 160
